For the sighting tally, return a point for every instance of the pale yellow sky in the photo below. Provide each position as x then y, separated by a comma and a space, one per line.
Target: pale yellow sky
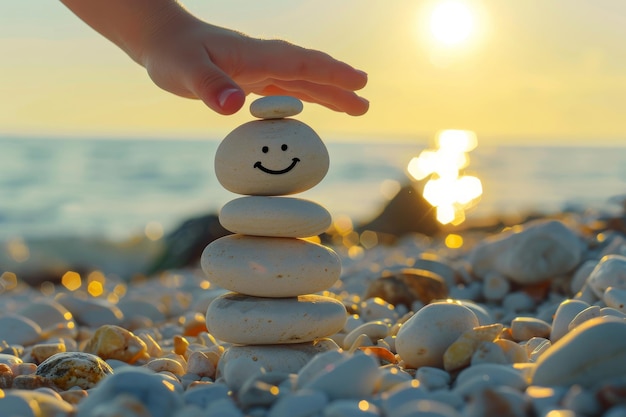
533, 71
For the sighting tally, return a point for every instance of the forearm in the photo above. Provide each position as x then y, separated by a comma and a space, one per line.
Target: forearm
129, 24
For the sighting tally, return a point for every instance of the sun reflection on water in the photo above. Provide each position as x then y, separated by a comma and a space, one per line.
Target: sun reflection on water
446, 189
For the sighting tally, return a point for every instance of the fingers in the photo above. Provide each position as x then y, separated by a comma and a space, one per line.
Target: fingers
289, 62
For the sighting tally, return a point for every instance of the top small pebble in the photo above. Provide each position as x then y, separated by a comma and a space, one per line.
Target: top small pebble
275, 107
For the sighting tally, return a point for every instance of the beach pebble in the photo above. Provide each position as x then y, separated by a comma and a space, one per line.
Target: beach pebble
271, 157
424, 338
241, 319
495, 286
407, 286
261, 390
488, 352
203, 395
198, 363
42, 351
524, 328
438, 265
615, 298
497, 401
529, 254
134, 308
74, 369
166, 364
19, 330
579, 279
424, 408
302, 403
350, 408
488, 375
513, 352
270, 267
146, 389
377, 309
433, 378
351, 376
46, 313
273, 358
91, 312
274, 217
25, 403
373, 330
460, 352
610, 272
594, 351
10, 360
114, 342
275, 107
587, 314
565, 313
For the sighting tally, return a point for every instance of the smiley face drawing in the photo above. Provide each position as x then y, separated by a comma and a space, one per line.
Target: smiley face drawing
271, 157
283, 147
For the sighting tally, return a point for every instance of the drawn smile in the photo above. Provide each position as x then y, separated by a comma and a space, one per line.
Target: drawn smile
259, 165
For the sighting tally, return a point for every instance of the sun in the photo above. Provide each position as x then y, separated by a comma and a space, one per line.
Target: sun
452, 22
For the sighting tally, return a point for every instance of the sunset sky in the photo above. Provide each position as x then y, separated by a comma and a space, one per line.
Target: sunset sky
523, 71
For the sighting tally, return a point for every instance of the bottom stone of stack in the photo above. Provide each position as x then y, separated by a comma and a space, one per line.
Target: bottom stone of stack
239, 363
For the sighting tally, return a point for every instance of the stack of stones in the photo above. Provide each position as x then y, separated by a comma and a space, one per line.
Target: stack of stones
272, 317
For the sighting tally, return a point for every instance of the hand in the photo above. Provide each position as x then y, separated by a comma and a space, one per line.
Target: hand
194, 59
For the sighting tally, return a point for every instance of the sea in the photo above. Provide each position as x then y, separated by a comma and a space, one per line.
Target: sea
118, 188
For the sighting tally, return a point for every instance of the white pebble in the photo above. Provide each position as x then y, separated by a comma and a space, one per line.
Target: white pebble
350, 408
610, 272
495, 286
354, 376
374, 330
524, 328
433, 378
565, 313
615, 298
275, 107
424, 338
587, 314
303, 403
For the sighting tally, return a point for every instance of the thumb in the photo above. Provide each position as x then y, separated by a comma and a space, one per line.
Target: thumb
218, 91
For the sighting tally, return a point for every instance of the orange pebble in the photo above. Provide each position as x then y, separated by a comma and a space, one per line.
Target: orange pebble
180, 345
381, 353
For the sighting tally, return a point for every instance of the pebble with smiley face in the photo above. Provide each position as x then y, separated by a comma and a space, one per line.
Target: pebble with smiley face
271, 157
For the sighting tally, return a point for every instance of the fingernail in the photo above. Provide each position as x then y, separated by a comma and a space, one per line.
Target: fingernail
225, 95
363, 73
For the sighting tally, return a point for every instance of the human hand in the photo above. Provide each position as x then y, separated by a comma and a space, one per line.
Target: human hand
194, 59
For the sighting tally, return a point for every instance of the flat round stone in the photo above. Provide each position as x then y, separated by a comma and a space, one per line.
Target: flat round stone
275, 216
244, 320
270, 266
275, 107
271, 157
273, 358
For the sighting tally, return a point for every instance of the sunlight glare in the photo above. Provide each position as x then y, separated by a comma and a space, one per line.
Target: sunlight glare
446, 189
452, 22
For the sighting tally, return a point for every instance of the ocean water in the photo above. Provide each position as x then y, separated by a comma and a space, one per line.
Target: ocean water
114, 188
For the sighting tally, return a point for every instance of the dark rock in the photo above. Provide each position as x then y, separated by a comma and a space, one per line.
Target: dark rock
407, 212
408, 286
184, 245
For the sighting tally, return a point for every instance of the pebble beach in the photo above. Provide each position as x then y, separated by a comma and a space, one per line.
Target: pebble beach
528, 320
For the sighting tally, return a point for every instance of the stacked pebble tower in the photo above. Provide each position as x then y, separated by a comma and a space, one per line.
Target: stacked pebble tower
272, 316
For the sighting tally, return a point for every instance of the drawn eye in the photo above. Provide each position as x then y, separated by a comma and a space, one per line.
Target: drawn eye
283, 147
265, 149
